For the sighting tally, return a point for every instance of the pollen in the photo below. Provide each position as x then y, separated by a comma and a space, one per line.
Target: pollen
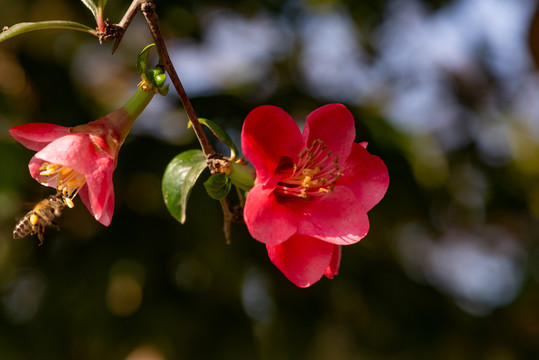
69, 202
314, 174
68, 181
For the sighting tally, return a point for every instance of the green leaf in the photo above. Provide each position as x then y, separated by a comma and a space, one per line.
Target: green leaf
25, 27
221, 135
218, 186
142, 59
92, 6
180, 176
102, 4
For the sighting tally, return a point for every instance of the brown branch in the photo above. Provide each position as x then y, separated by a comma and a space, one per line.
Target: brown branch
117, 32
227, 219
147, 7
148, 10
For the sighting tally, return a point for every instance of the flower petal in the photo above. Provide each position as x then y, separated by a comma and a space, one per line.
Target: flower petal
98, 169
302, 259
333, 268
72, 151
36, 136
268, 135
366, 175
337, 217
334, 125
98, 193
268, 220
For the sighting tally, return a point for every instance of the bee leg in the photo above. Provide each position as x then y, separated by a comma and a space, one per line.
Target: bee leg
35, 230
40, 235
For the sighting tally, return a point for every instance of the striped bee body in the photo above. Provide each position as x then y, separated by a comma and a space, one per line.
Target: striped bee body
42, 215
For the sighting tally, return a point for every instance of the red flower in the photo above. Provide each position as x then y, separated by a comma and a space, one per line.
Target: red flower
312, 190
78, 160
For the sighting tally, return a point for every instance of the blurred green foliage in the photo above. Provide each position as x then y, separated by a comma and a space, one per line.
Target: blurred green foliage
449, 269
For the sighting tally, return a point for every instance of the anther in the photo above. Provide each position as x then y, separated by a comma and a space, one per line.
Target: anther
314, 170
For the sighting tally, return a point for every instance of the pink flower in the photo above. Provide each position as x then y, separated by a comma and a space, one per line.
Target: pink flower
78, 160
312, 190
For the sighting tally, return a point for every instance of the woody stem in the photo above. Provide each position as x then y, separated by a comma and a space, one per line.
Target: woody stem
147, 8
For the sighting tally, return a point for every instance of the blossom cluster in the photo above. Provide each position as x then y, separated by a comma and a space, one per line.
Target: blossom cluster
311, 195
308, 195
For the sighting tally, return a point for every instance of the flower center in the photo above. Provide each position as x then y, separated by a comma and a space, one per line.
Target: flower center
314, 174
68, 181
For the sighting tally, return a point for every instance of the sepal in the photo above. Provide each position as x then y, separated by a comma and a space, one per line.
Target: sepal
242, 176
218, 186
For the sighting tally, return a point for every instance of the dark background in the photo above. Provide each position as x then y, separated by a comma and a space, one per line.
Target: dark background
445, 92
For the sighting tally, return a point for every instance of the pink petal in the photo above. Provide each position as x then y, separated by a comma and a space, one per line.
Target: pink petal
36, 136
268, 135
74, 151
302, 259
98, 195
366, 175
67, 151
334, 125
337, 217
99, 167
268, 220
33, 167
333, 268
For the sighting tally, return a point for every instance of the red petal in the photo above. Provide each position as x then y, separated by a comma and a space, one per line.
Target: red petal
338, 217
74, 151
268, 135
334, 125
366, 175
302, 259
333, 268
98, 194
36, 136
268, 220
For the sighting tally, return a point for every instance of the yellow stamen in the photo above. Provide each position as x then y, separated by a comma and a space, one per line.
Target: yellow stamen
69, 202
314, 174
68, 181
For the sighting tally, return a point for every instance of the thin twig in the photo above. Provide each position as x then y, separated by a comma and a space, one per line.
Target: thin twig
227, 219
147, 8
117, 31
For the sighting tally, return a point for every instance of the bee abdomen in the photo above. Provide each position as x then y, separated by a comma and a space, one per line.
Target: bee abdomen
23, 228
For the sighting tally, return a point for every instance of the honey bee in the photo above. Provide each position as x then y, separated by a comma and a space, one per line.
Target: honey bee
42, 215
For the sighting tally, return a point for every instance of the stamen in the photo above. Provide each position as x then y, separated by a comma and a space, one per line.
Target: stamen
314, 174
68, 181
69, 202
